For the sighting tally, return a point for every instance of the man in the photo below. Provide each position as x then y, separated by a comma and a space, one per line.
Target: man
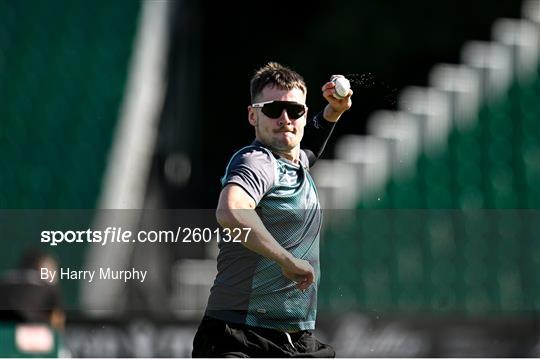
263, 301
28, 298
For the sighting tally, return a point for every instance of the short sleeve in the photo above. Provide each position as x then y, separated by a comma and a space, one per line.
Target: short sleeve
253, 169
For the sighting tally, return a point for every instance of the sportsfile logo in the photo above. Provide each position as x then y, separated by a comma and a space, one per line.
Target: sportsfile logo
109, 235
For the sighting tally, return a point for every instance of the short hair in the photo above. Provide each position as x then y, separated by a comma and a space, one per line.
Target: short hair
275, 75
33, 257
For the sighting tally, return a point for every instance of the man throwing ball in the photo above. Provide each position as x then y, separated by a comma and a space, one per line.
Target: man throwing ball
264, 299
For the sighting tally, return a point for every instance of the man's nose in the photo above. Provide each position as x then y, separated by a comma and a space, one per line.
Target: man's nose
284, 118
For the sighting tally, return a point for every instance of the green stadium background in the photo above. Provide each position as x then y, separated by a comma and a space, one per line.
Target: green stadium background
456, 239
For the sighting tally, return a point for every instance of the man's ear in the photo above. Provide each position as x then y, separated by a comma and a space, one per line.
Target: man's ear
252, 116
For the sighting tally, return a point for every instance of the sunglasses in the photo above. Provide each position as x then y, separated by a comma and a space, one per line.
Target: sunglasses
274, 109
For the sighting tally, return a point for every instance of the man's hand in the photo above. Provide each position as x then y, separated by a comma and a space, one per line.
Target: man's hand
335, 107
299, 271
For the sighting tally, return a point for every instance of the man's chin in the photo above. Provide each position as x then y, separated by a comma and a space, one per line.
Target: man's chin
287, 143
282, 146
288, 140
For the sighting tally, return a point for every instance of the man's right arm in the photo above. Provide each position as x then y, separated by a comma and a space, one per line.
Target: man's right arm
236, 209
319, 129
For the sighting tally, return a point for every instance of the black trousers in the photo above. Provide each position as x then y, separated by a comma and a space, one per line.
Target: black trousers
216, 338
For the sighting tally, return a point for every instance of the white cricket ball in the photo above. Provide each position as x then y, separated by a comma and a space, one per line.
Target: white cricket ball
342, 86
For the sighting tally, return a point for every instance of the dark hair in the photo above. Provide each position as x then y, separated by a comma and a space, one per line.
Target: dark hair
275, 75
32, 258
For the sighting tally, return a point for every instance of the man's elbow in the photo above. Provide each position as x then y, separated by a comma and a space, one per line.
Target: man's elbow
225, 217
233, 202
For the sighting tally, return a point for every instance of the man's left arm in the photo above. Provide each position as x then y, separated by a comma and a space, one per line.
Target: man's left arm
319, 129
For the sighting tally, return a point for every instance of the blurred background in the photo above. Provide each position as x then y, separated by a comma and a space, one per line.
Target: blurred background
125, 113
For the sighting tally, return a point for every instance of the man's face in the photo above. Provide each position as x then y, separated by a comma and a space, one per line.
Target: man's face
283, 133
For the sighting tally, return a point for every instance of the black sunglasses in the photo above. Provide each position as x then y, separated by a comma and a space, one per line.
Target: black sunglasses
274, 109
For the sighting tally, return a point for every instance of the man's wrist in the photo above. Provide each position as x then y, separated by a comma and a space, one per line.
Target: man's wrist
331, 115
284, 259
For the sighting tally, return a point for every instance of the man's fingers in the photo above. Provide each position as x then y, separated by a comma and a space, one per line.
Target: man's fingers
305, 281
304, 278
328, 86
302, 273
328, 93
304, 284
